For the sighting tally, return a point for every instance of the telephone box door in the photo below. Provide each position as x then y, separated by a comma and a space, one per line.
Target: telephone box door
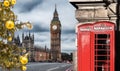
84, 47
104, 46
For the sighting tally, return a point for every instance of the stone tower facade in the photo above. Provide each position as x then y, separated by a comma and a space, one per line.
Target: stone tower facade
55, 32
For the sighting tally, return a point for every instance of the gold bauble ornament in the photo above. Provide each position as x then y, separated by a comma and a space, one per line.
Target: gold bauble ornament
6, 3
0, 8
11, 14
13, 2
4, 19
9, 25
9, 38
29, 26
22, 26
8, 64
23, 60
24, 51
24, 68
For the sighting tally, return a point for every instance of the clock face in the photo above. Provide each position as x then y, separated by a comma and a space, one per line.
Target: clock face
54, 27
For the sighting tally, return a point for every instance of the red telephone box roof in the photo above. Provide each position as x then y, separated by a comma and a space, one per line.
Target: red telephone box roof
97, 26
85, 27
103, 25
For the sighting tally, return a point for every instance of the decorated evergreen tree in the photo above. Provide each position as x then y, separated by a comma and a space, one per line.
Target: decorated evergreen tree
10, 54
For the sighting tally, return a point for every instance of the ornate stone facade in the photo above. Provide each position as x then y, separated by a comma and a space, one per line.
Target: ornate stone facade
37, 53
95, 10
41, 54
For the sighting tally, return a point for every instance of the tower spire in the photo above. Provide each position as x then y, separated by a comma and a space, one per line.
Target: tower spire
55, 12
29, 34
22, 36
33, 37
55, 6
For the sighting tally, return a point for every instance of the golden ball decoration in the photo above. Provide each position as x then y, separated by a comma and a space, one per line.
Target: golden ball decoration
11, 13
8, 64
24, 68
0, 9
29, 26
23, 60
13, 2
6, 3
21, 57
24, 51
9, 25
9, 38
22, 26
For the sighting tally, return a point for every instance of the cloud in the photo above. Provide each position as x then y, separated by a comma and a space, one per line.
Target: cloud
37, 28
28, 5
68, 31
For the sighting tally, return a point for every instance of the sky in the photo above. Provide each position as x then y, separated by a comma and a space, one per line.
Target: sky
40, 14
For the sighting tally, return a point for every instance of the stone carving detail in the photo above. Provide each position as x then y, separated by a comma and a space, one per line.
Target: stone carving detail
112, 9
100, 12
90, 14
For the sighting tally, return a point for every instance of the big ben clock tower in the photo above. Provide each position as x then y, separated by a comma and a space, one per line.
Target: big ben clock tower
55, 31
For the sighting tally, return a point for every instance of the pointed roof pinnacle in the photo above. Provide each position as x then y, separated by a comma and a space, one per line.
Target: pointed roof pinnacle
29, 33
18, 36
55, 12
55, 6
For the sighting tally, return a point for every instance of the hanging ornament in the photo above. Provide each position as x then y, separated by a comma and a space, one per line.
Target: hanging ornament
23, 26
3, 19
11, 14
6, 3
0, 9
29, 26
13, 2
8, 64
24, 68
9, 25
9, 38
24, 51
23, 60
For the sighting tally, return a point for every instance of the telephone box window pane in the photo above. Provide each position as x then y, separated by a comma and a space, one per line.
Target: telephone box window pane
99, 68
103, 35
105, 46
102, 47
100, 63
101, 41
103, 58
102, 52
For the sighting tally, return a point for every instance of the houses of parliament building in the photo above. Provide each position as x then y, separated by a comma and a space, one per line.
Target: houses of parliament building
38, 53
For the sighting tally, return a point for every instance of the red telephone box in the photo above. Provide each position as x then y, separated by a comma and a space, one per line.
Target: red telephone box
96, 46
